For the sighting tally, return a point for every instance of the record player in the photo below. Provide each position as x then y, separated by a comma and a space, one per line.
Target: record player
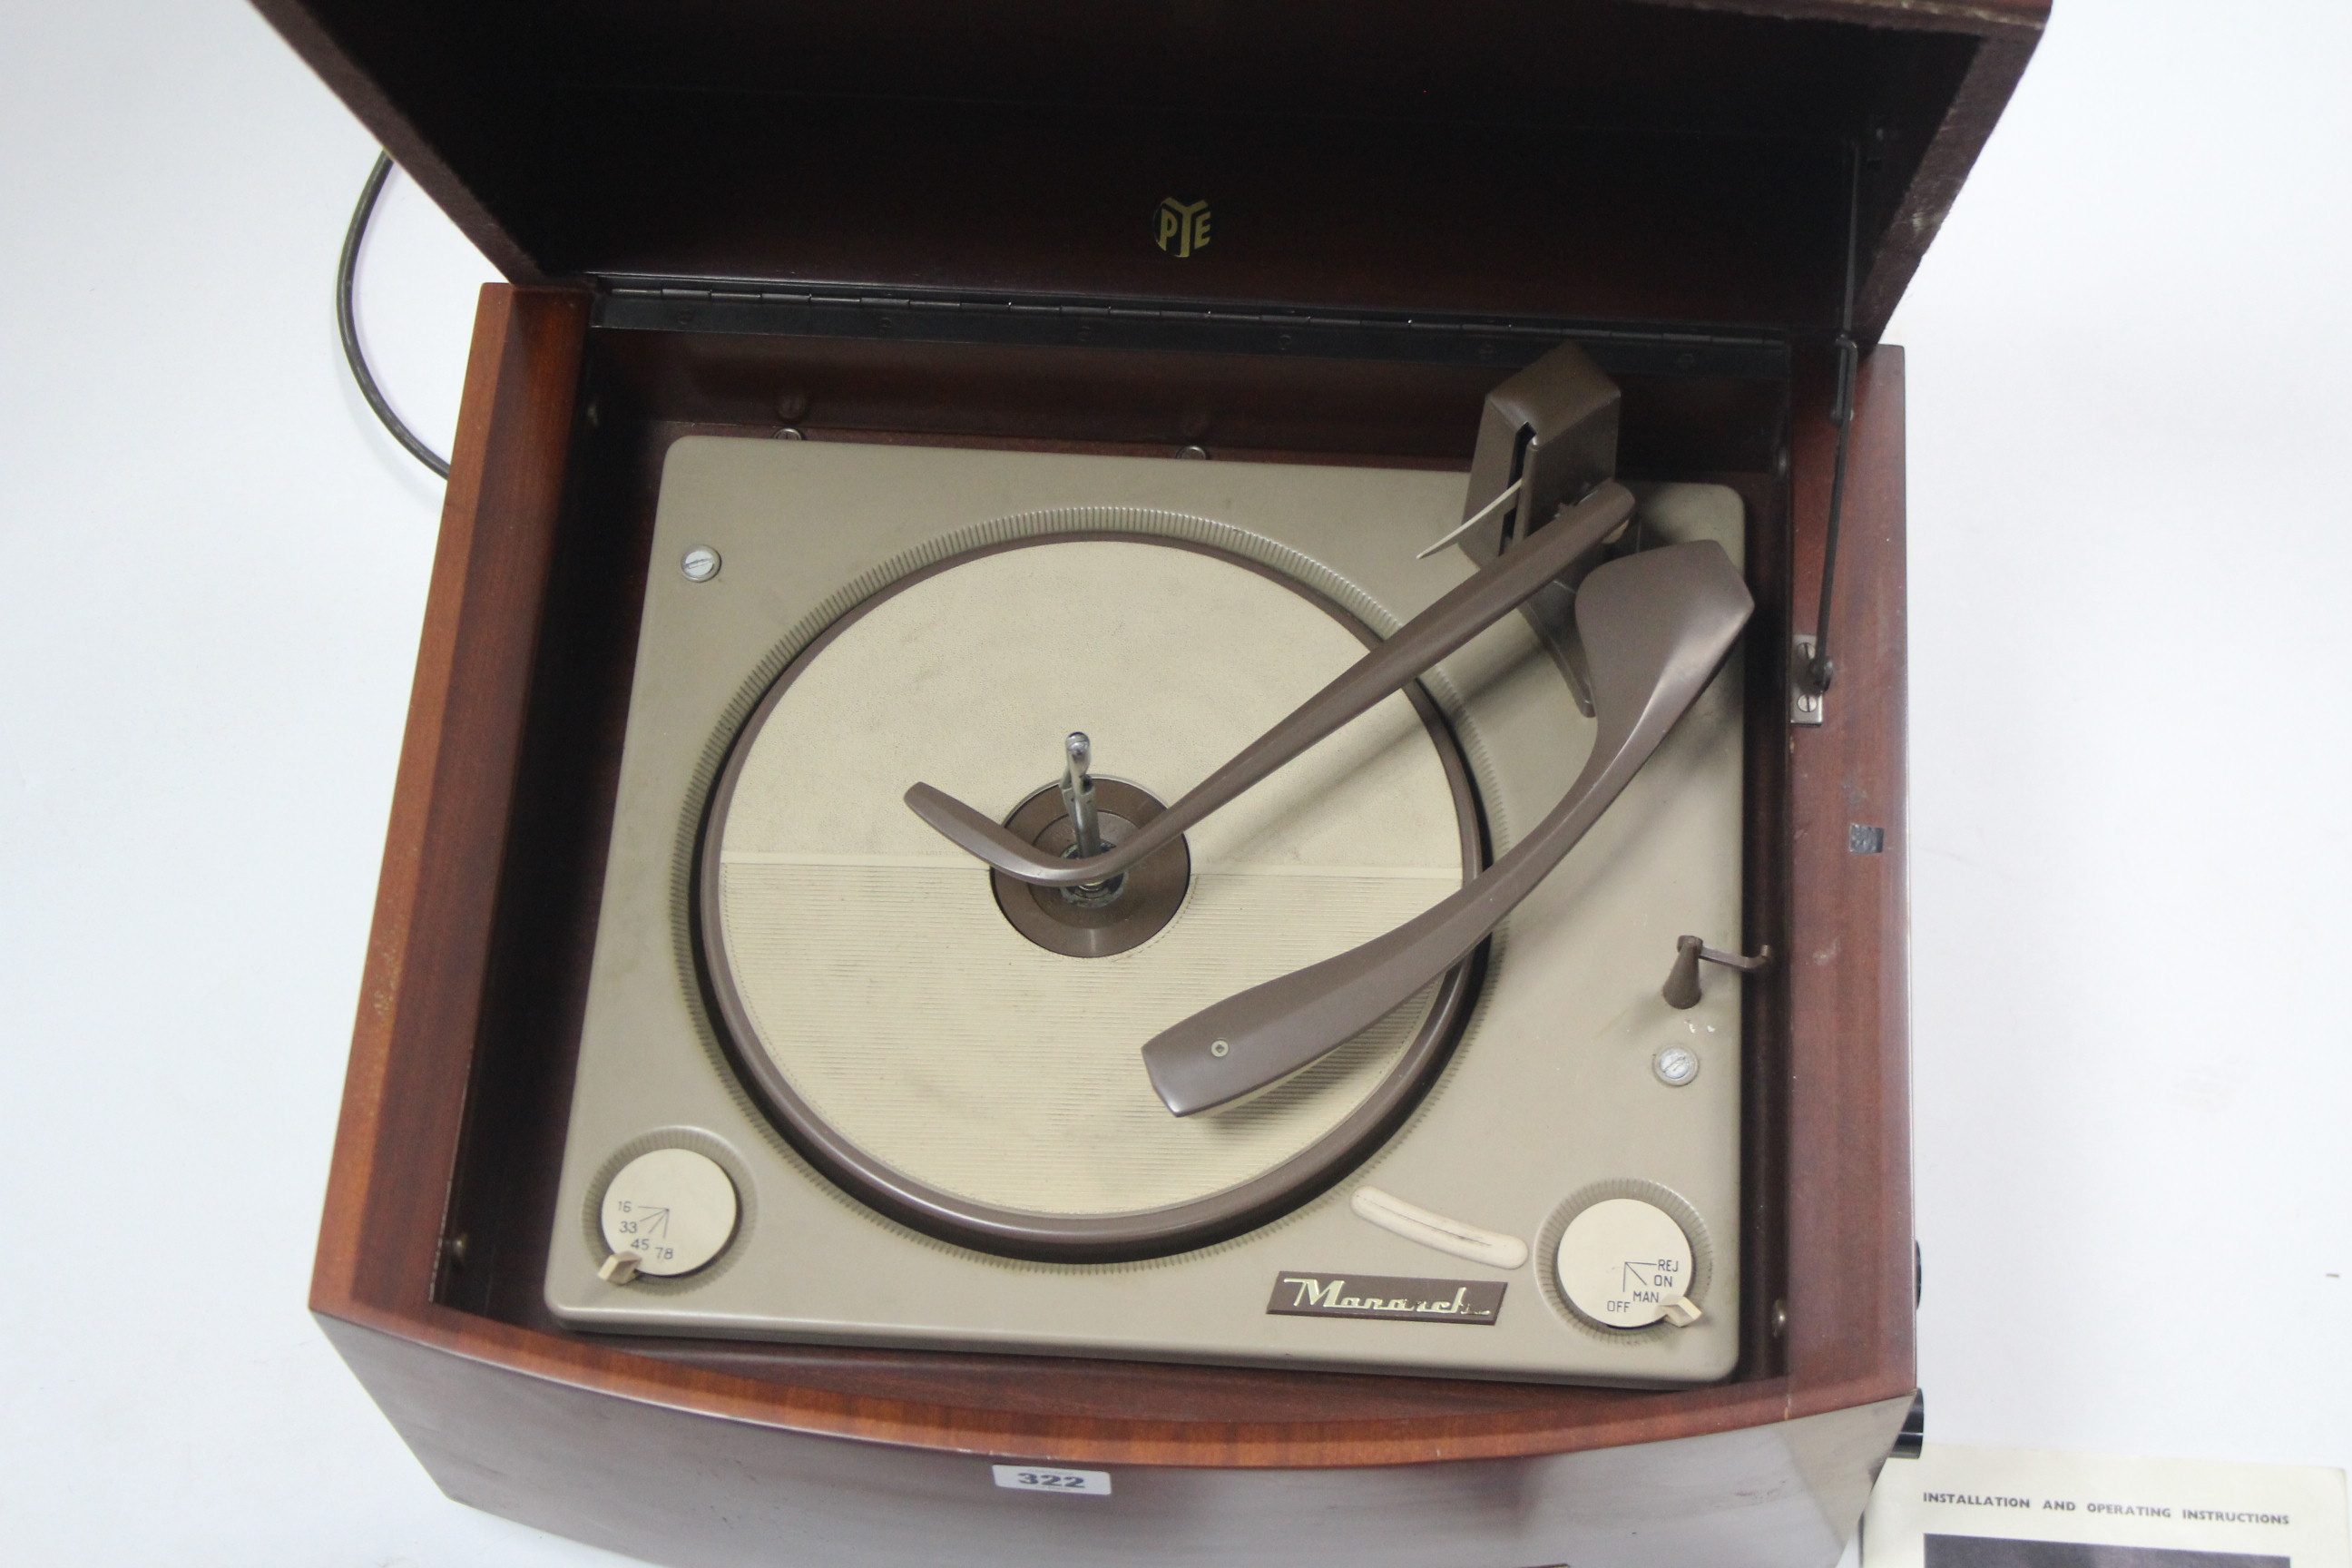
1125, 783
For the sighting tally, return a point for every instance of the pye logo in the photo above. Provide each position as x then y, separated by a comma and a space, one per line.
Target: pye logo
1184, 226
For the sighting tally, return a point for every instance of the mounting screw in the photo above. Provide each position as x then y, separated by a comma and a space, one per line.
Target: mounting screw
700, 563
1219, 1047
1674, 1065
456, 1247
1780, 1319
790, 433
1197, 453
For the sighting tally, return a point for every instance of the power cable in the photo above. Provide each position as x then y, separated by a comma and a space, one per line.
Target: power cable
347, 321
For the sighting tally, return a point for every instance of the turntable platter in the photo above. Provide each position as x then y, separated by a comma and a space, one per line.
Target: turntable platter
973, 1078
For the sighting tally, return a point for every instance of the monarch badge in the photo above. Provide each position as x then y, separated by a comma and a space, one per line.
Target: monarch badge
1184, 226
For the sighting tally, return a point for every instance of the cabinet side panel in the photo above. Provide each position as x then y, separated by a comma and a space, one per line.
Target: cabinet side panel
421, 991
1850, 1328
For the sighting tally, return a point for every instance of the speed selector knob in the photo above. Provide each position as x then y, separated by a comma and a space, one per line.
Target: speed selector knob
666, 1213
1625, 1264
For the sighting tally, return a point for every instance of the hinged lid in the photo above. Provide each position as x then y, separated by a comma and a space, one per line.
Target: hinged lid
1626, 161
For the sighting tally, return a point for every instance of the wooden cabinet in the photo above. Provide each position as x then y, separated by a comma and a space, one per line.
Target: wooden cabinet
911, 223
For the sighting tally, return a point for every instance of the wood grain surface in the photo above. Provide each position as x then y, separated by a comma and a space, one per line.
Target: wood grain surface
460, 1065
420, 993
1659, 161
348, 72
1849, 1263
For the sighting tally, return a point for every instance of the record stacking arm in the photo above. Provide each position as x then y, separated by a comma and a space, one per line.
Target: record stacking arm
1548, 436
1498, 589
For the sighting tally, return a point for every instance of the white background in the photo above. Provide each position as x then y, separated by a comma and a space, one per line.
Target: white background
2129, 851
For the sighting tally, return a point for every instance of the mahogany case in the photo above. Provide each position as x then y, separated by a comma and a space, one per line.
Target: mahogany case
899, 221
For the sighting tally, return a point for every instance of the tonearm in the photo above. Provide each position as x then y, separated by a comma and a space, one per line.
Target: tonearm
1637, 637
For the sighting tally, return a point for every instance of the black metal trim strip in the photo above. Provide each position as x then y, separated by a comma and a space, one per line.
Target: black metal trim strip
824, 310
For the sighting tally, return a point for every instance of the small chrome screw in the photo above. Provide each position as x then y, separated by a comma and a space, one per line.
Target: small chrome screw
1674, 1065
1219, 1047
700, 563
1198, 454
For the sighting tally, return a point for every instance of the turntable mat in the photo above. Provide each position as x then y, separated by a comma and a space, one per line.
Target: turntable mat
886, 986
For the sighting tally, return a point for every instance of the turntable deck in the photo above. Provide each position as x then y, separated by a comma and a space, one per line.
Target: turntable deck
921, 1080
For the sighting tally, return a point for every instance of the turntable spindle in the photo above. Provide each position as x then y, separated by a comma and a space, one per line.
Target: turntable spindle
1078, 795
1079, 800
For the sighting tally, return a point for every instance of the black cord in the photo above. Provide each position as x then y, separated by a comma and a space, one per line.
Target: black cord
1820, 671
347, 321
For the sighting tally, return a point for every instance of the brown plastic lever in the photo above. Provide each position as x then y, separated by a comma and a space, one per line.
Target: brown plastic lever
1656, 626
1469, 608
1682, 990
